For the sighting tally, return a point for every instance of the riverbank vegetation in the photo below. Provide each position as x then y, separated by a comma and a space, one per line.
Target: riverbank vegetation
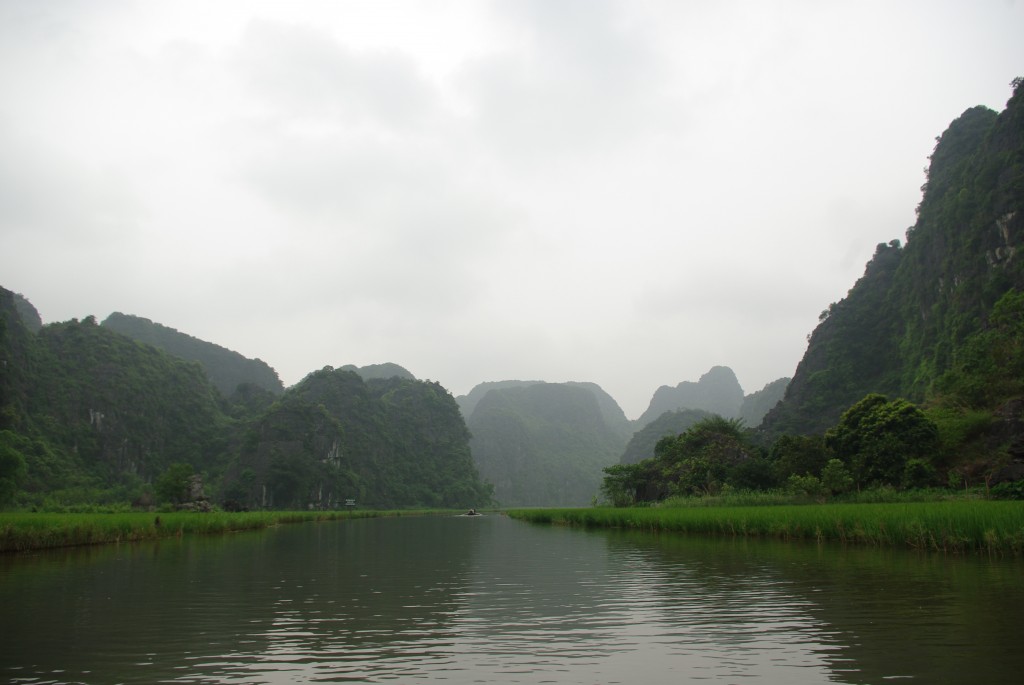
955, 526
22, 531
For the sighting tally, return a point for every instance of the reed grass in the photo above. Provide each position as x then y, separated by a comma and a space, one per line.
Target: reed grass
958, 527
27, 531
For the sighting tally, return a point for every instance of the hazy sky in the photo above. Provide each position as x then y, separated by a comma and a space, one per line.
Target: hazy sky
619, 192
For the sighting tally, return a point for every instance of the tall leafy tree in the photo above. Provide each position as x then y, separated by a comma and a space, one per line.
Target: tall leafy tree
877, 436
698, 461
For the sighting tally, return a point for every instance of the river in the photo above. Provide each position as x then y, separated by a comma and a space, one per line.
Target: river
490, 600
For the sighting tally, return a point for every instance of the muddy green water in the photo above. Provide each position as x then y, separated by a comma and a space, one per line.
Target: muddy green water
491, 600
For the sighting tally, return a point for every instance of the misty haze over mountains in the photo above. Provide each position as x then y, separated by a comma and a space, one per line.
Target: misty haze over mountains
88, 413
718, 391
535, 442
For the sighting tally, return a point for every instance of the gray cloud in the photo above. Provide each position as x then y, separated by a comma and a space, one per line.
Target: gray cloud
301, 71
575, 79
622, 192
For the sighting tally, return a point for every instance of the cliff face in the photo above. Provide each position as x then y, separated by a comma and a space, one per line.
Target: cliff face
907, 326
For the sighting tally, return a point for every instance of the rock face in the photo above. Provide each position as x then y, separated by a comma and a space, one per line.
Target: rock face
545, 444
717, 392
197, 499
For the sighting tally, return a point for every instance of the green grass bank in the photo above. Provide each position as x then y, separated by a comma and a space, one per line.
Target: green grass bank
958, 527
27, 531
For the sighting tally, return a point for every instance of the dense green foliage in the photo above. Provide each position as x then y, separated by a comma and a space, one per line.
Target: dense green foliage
334, 436
102, 410
173, 484
543, 443
880, 439
225, 368
937, 320
89, 416
12, 466
701, 460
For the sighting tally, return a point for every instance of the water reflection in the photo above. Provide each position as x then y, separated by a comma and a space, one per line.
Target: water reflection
492, 600
870, 616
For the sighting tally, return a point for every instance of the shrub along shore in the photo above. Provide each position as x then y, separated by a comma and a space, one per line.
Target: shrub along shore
27, 531
958, 527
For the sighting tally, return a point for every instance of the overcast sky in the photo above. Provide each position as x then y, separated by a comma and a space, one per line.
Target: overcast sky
620, 192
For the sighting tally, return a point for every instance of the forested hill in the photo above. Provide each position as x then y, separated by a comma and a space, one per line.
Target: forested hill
941, 318
85, 407
384, 371
383, 442
543, 443
612, 414
90, 416
29, 314
225, 368
467, 403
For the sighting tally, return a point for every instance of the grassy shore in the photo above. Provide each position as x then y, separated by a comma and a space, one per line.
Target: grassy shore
25, 531
959, 527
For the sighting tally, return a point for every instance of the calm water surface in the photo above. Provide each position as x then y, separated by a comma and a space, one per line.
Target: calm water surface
490, 600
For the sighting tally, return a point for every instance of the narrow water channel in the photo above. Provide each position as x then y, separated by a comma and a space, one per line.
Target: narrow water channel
490, 600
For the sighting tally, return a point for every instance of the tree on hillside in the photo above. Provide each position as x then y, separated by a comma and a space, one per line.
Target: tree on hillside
798, 454
989, 367
876, 437
12, 466
172, 485
699, 461
622, 483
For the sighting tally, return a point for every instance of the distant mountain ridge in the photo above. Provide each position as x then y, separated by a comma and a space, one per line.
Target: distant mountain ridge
641, 445
716, 392
531, 448
382, 371
225, 368
544, 443
467, 403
